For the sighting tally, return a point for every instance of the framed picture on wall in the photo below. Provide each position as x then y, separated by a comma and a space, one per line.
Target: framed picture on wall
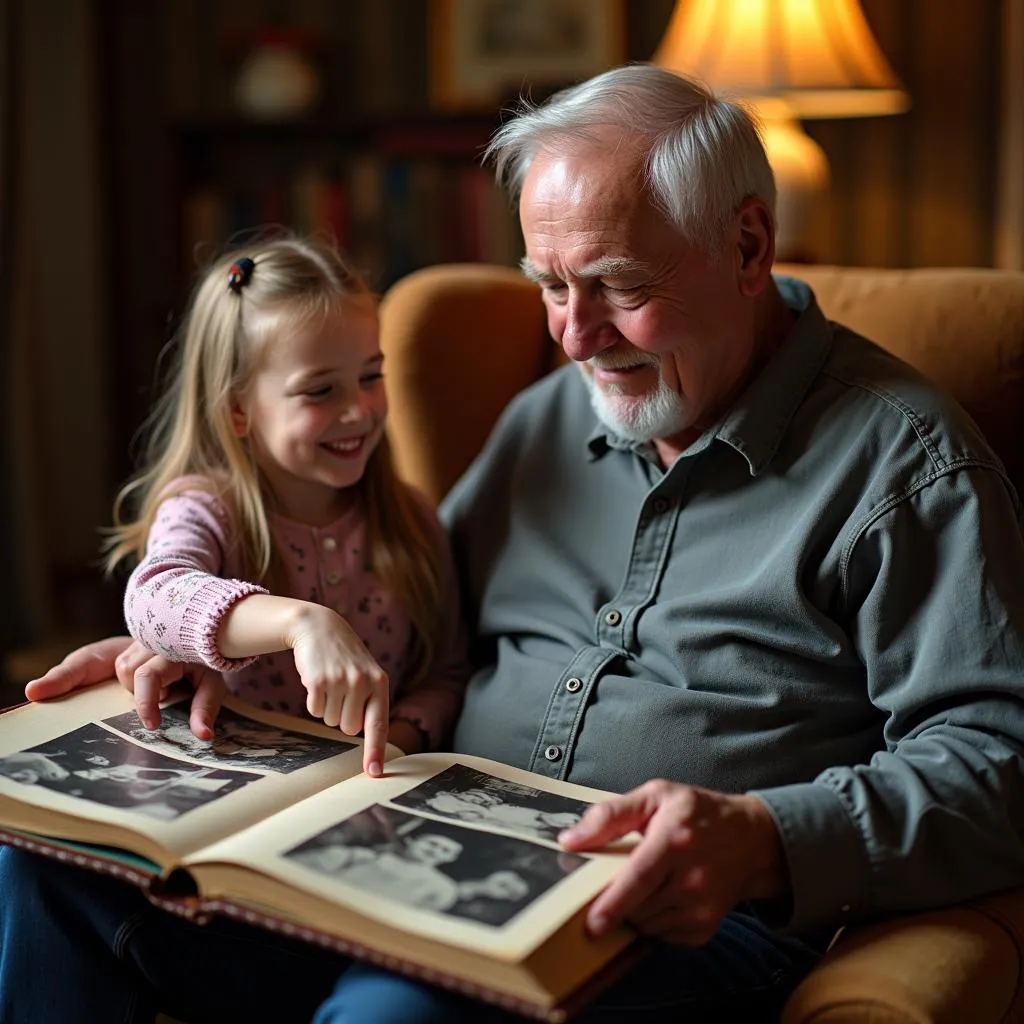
486, 52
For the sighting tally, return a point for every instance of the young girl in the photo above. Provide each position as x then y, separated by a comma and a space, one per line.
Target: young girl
269, 517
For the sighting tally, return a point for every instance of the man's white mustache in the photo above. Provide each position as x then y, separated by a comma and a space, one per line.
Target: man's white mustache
620, 361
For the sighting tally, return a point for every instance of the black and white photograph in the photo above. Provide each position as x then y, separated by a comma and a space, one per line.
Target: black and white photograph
431, 865
468, 795
104, 768
238, 741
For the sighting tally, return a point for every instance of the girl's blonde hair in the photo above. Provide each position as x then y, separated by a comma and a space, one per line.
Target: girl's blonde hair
294, 282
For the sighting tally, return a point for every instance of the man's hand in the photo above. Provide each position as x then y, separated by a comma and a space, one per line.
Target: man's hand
139, 671
700, 854
149, 676
84, 666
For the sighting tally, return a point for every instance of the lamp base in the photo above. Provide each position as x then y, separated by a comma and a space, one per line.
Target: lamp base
801, 182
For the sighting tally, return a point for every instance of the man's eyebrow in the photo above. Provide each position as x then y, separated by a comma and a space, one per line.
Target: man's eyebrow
531, 272
606, 266
613, 266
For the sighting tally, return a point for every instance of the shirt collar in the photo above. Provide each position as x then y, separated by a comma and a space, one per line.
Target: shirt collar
756, 423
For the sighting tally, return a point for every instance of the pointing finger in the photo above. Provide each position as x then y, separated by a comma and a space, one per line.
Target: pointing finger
375, 732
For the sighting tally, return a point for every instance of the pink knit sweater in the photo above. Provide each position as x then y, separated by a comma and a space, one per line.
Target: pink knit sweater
179, 593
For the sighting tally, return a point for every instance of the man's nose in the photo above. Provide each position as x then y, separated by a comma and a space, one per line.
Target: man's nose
585, 332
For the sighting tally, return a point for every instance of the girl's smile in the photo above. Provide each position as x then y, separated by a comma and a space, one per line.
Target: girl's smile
346, 448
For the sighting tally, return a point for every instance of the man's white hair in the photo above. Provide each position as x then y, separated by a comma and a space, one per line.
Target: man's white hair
704, 155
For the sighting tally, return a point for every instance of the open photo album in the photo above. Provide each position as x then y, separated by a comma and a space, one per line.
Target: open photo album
447, 868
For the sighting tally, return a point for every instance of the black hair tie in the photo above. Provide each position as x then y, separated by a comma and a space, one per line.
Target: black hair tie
240, 274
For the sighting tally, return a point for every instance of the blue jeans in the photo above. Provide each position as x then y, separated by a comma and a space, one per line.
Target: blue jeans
81, 948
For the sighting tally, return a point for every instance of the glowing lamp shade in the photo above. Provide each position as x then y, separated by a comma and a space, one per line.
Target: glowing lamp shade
789, 59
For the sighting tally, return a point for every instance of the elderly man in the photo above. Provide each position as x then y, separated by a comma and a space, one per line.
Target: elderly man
737, 563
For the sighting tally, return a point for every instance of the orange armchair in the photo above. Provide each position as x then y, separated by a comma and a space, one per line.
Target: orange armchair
461, 340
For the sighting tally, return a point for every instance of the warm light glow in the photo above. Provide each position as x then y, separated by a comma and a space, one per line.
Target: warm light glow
817, 55
801, 177
788, 59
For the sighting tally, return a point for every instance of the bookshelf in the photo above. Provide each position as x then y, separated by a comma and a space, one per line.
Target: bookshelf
398, 183
396, 192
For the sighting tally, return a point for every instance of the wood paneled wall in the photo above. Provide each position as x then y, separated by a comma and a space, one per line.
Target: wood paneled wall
918, 189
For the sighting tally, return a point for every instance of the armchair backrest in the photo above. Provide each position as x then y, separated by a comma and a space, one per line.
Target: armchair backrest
461, 339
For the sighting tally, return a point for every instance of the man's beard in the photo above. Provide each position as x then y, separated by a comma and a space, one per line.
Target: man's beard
660, 413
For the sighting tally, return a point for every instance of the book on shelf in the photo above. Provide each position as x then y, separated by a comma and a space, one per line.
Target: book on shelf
393, 212
447, 868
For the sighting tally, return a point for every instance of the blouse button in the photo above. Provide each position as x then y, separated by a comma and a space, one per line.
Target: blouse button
333, 578
573, 685
613, 618
553, 753
329, 544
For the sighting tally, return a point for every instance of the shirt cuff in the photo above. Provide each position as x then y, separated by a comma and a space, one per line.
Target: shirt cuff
828, 869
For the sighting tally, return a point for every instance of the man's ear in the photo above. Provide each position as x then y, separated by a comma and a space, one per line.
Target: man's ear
239, 418
755, 247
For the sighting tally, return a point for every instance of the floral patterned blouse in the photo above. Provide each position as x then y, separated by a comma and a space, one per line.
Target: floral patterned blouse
190, 577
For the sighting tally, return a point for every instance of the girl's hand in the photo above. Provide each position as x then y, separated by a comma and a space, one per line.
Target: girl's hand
345, 686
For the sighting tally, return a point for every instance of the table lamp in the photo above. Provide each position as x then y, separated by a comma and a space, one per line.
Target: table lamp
786, 59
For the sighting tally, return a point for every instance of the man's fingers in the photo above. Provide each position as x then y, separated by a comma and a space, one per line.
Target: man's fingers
150, 685
147, 690
84, 666
645, 872
375, 733
206, 704
606, 821
58, 680
129, 661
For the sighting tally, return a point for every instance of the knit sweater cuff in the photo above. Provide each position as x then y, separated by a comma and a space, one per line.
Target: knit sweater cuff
203, 617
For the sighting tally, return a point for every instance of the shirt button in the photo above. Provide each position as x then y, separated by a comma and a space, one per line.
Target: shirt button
333, 578
613, 618
845, 908
572, 685
660, 505
553, 753
330, 543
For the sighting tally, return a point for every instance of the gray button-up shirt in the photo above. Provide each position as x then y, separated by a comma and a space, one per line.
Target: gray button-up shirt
820, 601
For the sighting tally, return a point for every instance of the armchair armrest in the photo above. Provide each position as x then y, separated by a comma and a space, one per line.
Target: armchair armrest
943, 967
